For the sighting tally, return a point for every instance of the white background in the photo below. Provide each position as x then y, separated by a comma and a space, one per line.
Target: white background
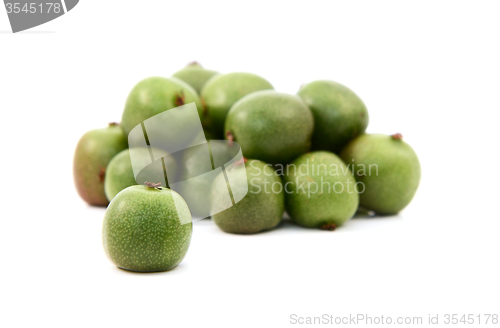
427, 69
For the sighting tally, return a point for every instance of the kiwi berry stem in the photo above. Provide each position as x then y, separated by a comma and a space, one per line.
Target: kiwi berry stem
153, 185
397, 136
179, 98
230, 137
329, 226
204, 106
102, 174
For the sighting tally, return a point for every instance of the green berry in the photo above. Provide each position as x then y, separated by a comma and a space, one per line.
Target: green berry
271, 126
92, 155
155, 95
387, 167
339, 114
222, 91
262, 207
195, 75
146, 229
320, 191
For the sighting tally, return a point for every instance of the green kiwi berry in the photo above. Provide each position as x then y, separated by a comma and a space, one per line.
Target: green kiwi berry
195, 75
270, 126
320, 191
222, 91
92, 155
388, 169
263, 206
147, 229
155, 95
339, 114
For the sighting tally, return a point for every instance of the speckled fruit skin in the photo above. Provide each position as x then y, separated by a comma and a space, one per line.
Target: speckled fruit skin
271, 126
155, 95
142, 230
195, 75
258, 210
339, 114
222, 91
398, 171
92, 155
325, 208
120, 174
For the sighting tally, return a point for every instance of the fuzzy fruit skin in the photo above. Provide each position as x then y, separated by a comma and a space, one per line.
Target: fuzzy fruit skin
155, 95
258, 210
92, 155
142, 232
195, 75
398, 171
271, 126
222, 91
326, 210
339, 114
120, 174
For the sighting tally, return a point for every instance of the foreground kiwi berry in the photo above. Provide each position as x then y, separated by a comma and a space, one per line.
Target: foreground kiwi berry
320, 191
339, 114
120, 174
155, 95
263, 206
147, 229
92, 155
222, 91
388, 168
270, 126
195, 75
